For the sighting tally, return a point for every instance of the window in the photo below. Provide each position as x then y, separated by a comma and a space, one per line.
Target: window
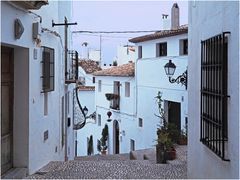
161, 49
132, 145
45, 99
183, 45
213, 125
139, 52
47, 69
99, 119
127, 89
93, 80
99, 85
140, 122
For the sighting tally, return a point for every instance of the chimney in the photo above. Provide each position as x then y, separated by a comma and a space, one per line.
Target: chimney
175, 16
165, 22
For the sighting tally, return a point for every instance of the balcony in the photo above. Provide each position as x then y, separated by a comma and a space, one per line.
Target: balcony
114, 100
30, 5
71, 75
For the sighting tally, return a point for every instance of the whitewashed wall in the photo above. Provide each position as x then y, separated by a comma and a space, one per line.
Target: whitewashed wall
30, 150
126, 115
123, 57
151, 78
207, 19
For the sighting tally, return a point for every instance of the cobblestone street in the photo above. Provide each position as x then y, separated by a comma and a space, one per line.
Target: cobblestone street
117, 166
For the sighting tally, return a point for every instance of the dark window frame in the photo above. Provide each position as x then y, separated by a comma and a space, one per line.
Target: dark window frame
139, 52
48, 69
213, 109
183, 47
161, 49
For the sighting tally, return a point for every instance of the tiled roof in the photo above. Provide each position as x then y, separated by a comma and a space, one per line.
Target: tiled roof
122, 70
86, 88
89, 65
160, 34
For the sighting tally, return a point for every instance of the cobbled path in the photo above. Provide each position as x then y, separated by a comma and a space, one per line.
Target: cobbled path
116, 167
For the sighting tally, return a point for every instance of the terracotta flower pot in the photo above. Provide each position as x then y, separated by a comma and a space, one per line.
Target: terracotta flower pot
171, 154
103, 152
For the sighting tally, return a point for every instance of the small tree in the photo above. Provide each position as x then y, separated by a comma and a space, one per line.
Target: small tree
90, 146
102, 143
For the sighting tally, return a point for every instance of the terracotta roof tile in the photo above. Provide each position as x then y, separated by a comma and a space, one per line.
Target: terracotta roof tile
160, 34
86, 88
122, 70
89, 66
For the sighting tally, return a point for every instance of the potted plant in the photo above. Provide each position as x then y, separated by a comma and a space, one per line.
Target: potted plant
111, 96
165, 133
102, 143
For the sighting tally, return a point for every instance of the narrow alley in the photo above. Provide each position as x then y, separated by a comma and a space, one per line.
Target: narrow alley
117, 167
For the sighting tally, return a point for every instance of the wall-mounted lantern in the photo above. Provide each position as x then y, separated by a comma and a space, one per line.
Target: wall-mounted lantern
170, 69
18, 28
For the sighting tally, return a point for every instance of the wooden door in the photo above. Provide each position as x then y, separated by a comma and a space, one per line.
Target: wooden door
174, 114
6, 108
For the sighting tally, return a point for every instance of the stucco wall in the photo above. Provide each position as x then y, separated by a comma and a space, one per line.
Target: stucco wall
35, 151
207, 19
151, 78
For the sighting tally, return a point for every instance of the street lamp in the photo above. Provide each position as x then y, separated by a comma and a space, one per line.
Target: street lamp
170, 69
109, 114
85, 111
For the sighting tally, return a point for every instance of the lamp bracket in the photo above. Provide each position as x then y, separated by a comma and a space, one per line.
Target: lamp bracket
180, 79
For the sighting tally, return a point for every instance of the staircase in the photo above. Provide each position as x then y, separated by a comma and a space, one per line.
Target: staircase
116, 167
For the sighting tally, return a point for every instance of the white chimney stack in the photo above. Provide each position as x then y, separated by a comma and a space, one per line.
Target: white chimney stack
166, 22
175, 16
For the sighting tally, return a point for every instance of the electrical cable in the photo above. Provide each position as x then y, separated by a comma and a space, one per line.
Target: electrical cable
114, 32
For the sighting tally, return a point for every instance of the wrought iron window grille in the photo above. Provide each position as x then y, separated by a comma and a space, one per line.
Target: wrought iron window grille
213, 125
48, 69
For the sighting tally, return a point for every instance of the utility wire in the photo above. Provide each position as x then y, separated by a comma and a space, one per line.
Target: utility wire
106, 36
113, 32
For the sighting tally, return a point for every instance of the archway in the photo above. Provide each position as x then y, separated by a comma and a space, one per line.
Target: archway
115, 137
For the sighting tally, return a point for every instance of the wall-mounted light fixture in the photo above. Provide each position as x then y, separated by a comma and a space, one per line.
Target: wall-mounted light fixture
170, 69
18, 28
109, 114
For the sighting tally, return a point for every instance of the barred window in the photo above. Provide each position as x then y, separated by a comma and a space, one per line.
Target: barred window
214, 63
161, 49
47, 69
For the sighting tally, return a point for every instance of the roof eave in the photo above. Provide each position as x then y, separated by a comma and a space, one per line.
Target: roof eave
149, 38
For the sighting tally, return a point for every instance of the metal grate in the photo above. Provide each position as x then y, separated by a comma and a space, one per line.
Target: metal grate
213, 125
72, 73
47, 69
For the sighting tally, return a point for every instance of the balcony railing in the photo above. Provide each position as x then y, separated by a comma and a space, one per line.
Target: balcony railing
72, 73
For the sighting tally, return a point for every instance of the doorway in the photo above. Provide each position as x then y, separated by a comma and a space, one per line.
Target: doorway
174, 114
115, 137
6, 109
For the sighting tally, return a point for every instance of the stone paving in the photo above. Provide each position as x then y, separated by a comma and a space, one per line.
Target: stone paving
117, 167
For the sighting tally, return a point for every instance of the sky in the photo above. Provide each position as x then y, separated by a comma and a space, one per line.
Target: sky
118, 16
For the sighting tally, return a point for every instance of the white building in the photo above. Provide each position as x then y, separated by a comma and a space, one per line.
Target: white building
117, 80
36, 100
213, 150
86, 93
85, 71
95, 55
125, 54
154, 52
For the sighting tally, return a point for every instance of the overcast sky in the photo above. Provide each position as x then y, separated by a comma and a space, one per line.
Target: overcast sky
118, 16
